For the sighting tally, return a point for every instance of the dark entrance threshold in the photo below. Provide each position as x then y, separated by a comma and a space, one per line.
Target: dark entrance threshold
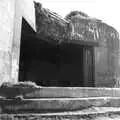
65, 65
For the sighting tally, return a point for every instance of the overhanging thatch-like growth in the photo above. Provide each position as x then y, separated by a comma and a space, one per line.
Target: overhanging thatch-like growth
76, 26
84, 26
50, 26
54, 29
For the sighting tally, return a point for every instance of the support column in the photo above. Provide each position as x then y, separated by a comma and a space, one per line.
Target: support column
7, 11
11, 13
23, 8
16, 42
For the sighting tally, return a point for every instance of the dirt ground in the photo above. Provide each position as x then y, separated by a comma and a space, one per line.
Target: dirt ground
101, 117
93, 114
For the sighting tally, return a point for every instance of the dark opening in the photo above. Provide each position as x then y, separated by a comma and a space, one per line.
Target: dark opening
71, 65
49, 64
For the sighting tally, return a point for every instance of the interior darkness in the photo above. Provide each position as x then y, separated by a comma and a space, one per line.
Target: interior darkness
49, 64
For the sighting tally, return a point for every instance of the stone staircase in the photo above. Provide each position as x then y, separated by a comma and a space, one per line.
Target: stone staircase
21, 103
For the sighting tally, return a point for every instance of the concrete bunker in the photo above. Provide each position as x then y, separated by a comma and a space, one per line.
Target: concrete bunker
65, 52
49, 64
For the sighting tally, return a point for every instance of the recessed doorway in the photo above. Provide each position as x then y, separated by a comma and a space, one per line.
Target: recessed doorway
47, 64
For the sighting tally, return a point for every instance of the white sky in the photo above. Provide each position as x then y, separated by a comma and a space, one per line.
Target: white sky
105, 10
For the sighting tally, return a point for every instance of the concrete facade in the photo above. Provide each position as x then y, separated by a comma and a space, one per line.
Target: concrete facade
107, 58
11, 13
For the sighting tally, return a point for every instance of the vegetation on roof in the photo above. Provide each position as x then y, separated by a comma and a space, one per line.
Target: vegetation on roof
50, 26
74, 13
76, 25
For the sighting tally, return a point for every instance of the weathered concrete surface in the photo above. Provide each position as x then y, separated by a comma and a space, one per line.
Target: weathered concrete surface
23, 8
87, 114
11, 13
107, 70
7, 12
59, 92
71, 92
20, 105
107, 57
28, 12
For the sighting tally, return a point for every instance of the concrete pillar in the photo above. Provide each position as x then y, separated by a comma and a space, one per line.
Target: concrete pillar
7, 12
23, 8
11, 13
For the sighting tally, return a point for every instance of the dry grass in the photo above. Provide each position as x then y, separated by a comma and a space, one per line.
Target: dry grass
19, 84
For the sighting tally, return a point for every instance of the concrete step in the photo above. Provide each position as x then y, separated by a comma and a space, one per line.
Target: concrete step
59, 92
46, 105
94, 113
